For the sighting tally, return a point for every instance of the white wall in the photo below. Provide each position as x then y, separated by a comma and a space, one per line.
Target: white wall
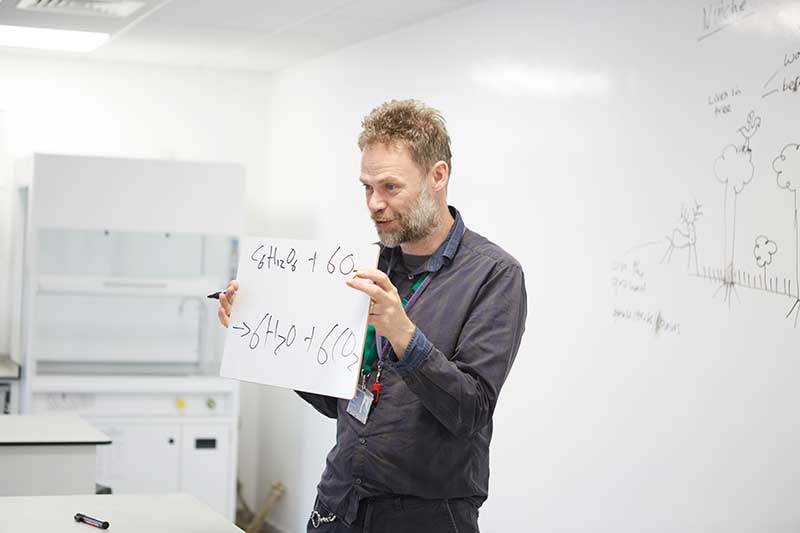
74, 107
578, 130
315, 115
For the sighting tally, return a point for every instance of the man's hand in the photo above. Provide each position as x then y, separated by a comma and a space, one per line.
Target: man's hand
386, 311
226, 303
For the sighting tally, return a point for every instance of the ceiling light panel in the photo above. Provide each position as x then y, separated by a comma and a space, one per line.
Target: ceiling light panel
50, 39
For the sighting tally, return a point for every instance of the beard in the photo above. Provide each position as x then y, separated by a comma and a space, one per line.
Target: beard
421, 219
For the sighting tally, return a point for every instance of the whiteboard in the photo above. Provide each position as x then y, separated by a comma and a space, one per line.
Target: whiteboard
295, 323
581, 131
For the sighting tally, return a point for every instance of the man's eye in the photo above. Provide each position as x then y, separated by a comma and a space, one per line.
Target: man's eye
391, 186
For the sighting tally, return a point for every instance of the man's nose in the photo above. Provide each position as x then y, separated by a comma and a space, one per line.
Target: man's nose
375, 202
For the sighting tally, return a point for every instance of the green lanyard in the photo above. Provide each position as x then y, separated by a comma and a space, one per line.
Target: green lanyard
370, 349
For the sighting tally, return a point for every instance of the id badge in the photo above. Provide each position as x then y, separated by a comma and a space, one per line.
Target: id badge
360, 404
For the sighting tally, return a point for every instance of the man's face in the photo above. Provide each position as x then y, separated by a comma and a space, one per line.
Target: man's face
398, 193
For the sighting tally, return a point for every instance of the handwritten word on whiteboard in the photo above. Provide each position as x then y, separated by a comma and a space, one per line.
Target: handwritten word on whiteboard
295, 323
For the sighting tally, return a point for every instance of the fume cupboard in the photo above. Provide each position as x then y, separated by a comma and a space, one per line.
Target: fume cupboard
113, 261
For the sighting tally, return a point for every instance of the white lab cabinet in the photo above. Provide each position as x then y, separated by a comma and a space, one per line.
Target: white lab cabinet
182, 457
204, 451
168, 433
120, 465
112, 264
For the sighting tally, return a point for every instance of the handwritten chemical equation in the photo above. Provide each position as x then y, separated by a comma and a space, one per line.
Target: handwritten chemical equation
271, 257
297, 323
331, 344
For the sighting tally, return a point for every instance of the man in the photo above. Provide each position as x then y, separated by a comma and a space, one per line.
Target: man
446, 317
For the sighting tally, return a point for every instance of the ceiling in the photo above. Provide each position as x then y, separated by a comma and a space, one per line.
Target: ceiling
259, 35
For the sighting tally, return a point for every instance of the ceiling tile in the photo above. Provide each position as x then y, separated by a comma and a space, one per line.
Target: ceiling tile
254, 15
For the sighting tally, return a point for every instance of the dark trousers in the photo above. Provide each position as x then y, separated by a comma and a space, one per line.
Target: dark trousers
404, 514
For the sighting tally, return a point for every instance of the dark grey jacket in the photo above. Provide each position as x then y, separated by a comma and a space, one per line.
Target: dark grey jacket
429, 434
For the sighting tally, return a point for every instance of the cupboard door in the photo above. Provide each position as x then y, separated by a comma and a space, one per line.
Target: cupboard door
205, 464
142, 457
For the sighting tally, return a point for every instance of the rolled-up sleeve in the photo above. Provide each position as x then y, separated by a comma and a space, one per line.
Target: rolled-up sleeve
417, 351
462, 392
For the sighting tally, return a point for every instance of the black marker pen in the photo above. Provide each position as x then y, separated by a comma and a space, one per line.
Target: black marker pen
216, 295
102, 524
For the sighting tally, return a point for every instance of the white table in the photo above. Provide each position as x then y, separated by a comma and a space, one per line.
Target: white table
48, 454
125, 513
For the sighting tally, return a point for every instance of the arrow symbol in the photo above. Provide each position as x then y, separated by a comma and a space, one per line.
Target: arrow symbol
245, 326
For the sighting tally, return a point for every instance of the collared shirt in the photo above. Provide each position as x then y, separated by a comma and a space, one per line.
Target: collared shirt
429, 434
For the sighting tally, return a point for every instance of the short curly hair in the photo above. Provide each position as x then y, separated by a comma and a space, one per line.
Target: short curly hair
413, 124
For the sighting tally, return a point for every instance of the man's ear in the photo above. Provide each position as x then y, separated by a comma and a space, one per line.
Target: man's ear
440, 176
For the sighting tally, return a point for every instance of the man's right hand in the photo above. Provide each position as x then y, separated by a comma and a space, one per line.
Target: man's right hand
226, 302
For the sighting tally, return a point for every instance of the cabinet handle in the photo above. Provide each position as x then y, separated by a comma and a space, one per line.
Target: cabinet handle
171, 440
